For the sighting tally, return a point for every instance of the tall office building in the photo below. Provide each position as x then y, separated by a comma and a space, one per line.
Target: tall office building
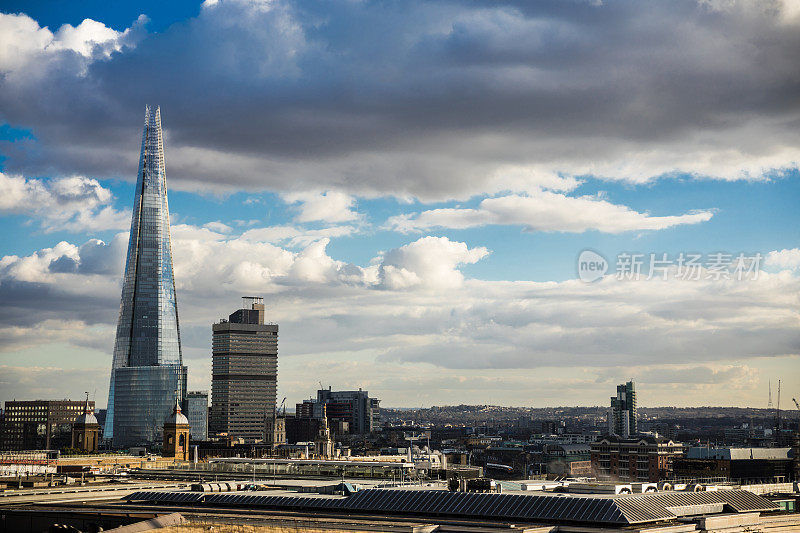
356, 408
147, 372
622, 419
244, 373
197, 413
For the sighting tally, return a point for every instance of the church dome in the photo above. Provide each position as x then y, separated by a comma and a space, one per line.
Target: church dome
177, 418
86, 419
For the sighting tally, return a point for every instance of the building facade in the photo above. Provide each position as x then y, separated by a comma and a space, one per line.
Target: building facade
147, 374
244, 373
360, 412
622, 419
744, 465
40, 424
197, 413
643, 458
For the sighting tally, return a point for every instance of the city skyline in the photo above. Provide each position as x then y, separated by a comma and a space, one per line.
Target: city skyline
413, 215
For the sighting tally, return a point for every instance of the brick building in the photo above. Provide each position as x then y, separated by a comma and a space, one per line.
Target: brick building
642, 458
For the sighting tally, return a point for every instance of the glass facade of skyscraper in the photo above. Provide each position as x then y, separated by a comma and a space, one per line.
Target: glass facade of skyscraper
148, 334
197, 413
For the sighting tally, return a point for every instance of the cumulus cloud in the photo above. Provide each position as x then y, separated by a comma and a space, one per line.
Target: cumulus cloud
413, 304
294, 236
75, 203
27, 50
328, 206
430, 262
428, 100
786, 258
218, 226
544, 211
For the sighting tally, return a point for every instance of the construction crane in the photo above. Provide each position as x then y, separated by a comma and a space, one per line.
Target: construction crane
796, 404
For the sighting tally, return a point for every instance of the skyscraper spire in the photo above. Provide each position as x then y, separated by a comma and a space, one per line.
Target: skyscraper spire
148, 333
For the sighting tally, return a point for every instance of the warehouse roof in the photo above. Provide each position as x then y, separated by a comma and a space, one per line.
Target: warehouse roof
618, 510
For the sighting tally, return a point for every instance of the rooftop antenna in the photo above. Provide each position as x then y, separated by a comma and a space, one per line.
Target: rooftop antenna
769, 402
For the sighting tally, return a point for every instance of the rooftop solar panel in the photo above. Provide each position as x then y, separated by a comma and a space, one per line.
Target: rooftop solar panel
628, 509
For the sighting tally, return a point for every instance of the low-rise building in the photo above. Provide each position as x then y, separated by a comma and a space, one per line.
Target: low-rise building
736, 464
40, 424
355, 408
570, 460
645, 458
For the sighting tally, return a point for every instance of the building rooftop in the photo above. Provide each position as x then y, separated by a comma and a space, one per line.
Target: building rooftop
585, 509
737, 454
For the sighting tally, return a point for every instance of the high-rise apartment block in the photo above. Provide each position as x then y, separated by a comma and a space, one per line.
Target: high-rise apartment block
147, 373
40, 424
244, 373
197, 413
622, 418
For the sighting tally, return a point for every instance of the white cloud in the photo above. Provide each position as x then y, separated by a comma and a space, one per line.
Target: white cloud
327, 206
786, 258
428, 262
544, 211
293, 236
27, 50
218, 227
75, 203
413, 310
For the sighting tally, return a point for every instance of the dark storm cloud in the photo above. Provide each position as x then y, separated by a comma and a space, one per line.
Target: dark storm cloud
424, 98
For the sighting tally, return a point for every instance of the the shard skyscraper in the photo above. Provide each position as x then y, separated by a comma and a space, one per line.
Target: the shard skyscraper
147, 371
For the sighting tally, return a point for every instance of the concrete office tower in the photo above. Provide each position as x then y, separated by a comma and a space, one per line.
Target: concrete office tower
244, 373
622, 417
147, 372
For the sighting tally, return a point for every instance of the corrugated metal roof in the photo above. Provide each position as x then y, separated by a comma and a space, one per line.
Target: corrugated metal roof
738, 454
620, 510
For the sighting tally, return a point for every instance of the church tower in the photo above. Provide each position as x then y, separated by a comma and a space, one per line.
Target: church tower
86, 430
176, 435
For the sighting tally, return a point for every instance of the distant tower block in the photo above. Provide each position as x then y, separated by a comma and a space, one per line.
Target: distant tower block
176, 435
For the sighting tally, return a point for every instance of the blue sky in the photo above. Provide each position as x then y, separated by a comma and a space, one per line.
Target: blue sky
410, 187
